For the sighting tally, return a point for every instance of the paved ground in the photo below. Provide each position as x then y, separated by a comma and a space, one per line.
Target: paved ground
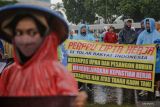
140, 104
149, 104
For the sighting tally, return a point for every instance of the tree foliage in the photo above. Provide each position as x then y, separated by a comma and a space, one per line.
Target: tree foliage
140, 9
4, 2
86, 9
77, 10
107, 8
90, 8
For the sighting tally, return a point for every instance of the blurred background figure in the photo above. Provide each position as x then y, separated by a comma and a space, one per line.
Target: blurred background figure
84, 34
142, 28
158, 26
71, 34
110, 36
1, 50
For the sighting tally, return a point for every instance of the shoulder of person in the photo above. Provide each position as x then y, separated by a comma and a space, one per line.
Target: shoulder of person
142, 34
8, 69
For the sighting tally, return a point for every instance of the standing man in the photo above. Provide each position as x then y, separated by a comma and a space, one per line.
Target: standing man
151, 36
83, 34
71, 35
127, 35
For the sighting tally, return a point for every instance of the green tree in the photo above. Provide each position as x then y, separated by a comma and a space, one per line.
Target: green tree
76, 10
4, 2
139, 9
90, 9
131, 9
107, 8
150, 8
135, 9
71, 12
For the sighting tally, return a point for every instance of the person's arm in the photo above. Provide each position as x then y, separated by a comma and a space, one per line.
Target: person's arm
120, 37
81, 99
1, 87
105, 38
91, 37
116, 38
67, 85
140, 39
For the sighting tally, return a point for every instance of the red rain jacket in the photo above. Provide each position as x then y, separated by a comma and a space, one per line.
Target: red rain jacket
110, 37
42, 75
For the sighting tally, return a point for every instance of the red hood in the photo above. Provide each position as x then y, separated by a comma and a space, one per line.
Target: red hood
42, 75
47, 51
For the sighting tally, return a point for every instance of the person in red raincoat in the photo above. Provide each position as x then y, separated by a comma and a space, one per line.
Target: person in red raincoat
35, 33
110, 36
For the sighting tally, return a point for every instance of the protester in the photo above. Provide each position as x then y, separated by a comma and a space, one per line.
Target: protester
105, 29
104, 94
2, 60
35, 33
142, 28
83, 33
97, 37
1, 50
158, 26
139, 92
63, 52
71, 35
101, 93
110, 36
151, 36
127, 35
92, 32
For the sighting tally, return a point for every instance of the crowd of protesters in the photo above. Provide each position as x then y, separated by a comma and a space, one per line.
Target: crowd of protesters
147, 34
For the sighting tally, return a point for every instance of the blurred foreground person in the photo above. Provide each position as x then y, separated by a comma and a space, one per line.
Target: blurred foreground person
35, 33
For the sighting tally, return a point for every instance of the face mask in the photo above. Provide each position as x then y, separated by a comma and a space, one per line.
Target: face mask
148, 30
83, 33
128, 26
